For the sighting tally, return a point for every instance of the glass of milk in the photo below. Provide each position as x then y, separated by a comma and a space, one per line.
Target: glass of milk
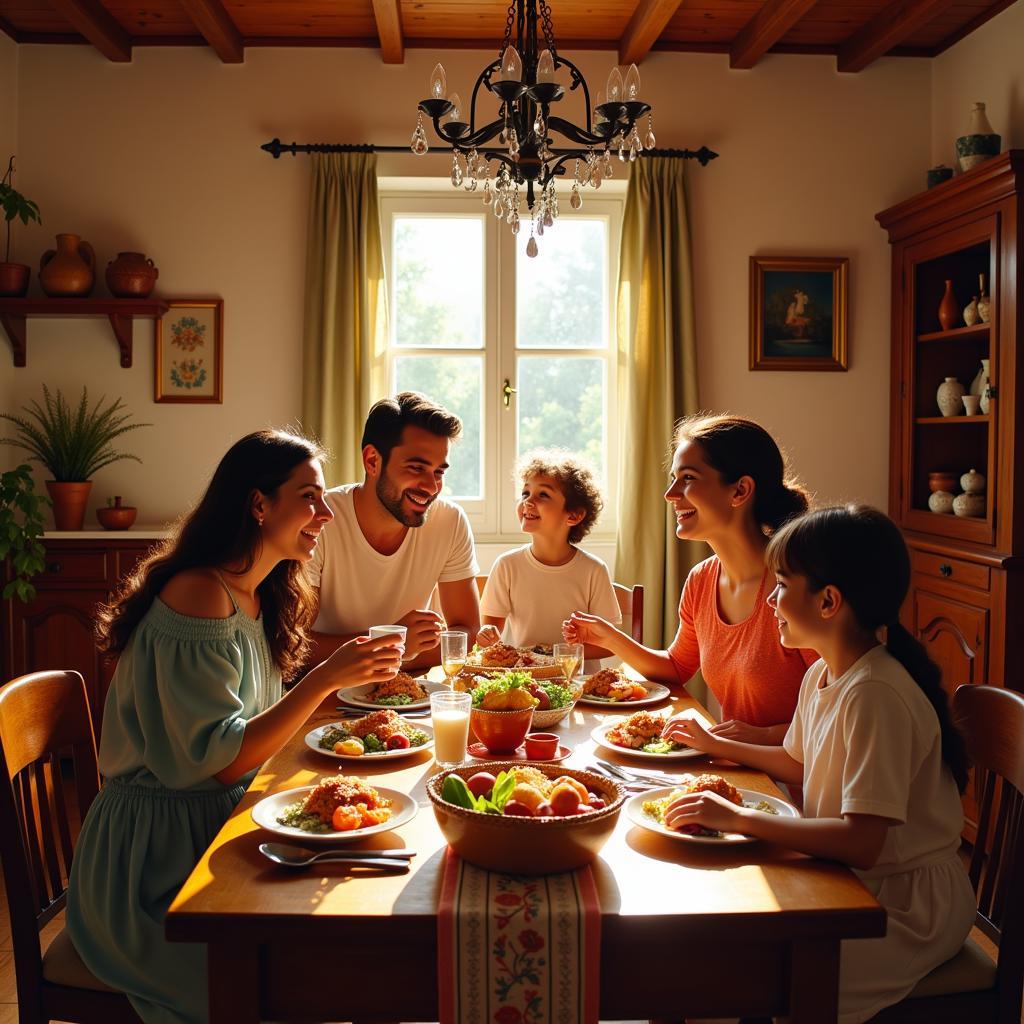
449, 714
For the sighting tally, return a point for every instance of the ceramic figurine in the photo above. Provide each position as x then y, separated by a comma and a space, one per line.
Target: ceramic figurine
948, 397
980, 143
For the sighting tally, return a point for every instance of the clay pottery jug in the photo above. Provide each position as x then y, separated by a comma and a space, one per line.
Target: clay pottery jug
948, 397
70, 269
117, 516
984, 306
14, 279
131, 276
69, 501
949, 309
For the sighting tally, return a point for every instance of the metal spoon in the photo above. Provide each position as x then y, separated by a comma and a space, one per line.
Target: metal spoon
297, 857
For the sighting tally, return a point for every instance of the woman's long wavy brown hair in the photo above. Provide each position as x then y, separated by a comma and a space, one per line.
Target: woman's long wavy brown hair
220, 531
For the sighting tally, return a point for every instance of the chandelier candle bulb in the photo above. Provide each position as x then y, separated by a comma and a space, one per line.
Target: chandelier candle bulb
511, 66
632, 86
546, 67
438, 83
614, 86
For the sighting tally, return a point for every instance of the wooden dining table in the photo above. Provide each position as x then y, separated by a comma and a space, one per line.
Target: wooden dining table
687, 929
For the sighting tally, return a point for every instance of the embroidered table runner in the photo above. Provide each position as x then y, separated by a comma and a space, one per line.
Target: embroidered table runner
517, 950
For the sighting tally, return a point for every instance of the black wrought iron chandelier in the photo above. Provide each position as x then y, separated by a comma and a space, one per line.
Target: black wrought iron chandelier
523, 80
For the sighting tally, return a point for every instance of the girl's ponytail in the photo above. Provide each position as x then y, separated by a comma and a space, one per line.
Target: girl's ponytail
911, 654
861, 551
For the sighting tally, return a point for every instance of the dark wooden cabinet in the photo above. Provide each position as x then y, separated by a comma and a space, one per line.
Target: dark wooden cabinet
55, 630
967, 585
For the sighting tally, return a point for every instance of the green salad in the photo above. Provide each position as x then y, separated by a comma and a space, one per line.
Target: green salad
372, 744
557, 696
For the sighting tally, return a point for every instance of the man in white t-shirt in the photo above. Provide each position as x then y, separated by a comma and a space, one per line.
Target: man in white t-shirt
392, 539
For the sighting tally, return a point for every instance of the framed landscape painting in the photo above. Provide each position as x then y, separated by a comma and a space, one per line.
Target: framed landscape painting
190, 352
798, 313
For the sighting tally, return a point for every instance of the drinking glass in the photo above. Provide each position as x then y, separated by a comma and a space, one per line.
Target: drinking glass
399, 631
568, 657
449, 714
453, 653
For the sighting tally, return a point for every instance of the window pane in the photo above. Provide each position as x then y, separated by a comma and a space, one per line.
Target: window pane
456, 383
439, 291
561, 405
561, 294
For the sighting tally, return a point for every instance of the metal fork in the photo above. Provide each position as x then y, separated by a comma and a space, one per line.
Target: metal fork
647, 778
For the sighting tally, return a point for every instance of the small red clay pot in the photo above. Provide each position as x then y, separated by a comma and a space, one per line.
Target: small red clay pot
541, 746
118, 516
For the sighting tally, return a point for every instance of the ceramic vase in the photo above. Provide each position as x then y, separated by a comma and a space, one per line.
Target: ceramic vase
972, 482
972, 504
949, 309
941, 502
937, 175
984, 305
948, 397
971, 312
980, 143
69, 270
982, 382
131, 276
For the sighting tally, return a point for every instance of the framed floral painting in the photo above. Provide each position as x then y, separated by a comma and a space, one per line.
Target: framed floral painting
189, 361
798, 313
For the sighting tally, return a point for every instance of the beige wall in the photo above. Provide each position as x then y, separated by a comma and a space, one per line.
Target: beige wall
162, 155
986, 66
8, 103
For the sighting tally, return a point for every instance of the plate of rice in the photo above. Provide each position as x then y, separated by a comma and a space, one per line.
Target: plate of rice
647, 809
311, 813
410, 693
640, 736
380, 735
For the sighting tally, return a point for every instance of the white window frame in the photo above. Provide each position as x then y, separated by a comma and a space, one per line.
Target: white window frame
493, 518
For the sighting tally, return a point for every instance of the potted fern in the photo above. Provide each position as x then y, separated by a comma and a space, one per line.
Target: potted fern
21, 526
72, 444
14, 277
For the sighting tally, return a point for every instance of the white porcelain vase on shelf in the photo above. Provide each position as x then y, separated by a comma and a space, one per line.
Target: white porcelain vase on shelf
972, 482
979, 386
969, 504
948, 397
941, 502
971, 312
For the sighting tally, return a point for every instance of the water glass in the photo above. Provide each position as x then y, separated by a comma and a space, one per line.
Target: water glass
453, 653
449, 714
568, 657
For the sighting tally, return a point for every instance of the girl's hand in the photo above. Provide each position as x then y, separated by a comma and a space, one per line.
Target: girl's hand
742, 732
583, 628
707, 809
488, 635
363, 660
684, 728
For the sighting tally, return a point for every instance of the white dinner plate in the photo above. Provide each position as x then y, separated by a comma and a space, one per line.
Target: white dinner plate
599, 736
656, 693
636, 814
357, 696
313, 742
265, 813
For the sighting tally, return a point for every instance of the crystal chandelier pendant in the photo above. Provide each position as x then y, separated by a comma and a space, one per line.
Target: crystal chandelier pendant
575, 200
456, 170
513, 144
499, 207
487, 197
607, 164
531, 245
419, 144
649, 141
515, 223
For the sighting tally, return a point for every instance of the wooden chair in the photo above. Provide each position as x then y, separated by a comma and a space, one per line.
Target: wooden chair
631, 604
43, 716
970, 987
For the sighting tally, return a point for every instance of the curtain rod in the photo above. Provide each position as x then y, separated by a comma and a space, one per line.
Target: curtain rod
276, 147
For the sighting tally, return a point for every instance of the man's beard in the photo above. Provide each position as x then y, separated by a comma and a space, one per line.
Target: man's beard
391, 498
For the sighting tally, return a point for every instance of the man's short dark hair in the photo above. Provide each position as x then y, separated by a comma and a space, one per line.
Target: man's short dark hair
390, 416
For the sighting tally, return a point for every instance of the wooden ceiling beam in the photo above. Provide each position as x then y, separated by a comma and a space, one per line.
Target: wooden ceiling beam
217, 28
890, 27
388, 16
765, 29
647, 23
93, 21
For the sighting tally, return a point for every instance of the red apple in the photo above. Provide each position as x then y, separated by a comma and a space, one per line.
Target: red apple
514, 809
481, 784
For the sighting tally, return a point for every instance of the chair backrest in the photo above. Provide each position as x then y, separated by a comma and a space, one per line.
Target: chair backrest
44, 717
481, 582
992, 722
631, 604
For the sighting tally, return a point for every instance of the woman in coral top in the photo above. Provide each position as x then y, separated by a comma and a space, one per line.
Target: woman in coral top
728, 487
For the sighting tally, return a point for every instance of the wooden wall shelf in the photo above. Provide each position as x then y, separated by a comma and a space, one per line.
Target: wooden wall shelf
120, 312
975, 331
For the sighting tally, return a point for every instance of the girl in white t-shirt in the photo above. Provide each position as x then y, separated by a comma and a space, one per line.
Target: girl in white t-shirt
873, 746
532, 589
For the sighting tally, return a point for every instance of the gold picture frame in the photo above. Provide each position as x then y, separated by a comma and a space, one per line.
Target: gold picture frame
189, 363
798, 313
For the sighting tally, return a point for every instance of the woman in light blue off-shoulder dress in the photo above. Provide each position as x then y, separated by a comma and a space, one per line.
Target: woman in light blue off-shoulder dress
205, 630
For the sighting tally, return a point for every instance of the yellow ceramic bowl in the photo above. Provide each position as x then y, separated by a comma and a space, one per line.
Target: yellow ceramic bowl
527, 846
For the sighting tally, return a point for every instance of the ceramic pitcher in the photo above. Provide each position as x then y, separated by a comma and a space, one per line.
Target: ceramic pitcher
70, 269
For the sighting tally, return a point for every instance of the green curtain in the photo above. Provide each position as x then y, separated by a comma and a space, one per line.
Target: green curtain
657, 353
345, 310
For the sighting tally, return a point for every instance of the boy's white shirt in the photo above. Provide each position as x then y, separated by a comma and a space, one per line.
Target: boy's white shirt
534, 599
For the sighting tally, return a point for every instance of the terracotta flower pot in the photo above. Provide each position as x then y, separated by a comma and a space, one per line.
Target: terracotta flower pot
69, 501
501, 732
117, 516
14, 278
